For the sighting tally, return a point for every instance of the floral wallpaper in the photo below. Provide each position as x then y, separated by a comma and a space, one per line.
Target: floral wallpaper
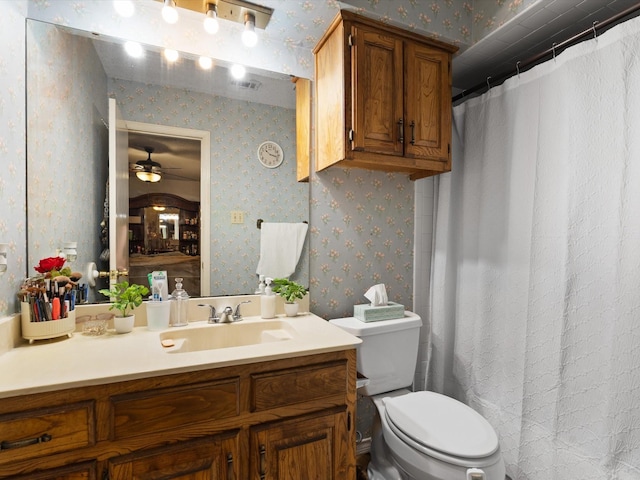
13, 228
238, 181
67, 146
361, 235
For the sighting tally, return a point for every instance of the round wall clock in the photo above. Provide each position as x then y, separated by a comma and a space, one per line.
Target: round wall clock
270, 154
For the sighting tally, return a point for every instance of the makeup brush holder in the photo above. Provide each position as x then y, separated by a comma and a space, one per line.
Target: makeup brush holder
44, 330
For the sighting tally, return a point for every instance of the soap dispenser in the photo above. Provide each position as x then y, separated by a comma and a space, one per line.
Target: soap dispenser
268, 301
179, 299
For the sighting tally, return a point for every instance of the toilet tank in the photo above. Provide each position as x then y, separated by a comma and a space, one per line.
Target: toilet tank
388, 353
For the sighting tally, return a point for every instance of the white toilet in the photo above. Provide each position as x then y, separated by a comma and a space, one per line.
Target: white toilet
417, 435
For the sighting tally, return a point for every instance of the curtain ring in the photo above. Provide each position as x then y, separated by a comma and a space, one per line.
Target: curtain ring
518, 68
488, 85
553, 49
595, 34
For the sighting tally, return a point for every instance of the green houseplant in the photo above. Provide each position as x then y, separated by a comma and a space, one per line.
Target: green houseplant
124, 297
290, 291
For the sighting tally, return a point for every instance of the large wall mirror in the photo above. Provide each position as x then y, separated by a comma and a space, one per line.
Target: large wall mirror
70, 76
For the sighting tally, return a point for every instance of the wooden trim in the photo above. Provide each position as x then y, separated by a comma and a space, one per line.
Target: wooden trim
163, 200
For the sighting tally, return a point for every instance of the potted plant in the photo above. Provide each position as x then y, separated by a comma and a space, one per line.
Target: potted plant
124, 297
290, 291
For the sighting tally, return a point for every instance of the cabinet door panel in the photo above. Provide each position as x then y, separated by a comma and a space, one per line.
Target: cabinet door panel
377, 92
205, 459
428, 104
304, 448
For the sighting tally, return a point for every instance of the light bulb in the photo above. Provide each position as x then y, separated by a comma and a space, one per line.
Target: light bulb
171, 55
134, 49
249, 36
211, 21
238, 71
205, 63
124, 8
169, 12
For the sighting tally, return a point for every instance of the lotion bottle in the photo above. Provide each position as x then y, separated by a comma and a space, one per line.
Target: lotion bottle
268, 302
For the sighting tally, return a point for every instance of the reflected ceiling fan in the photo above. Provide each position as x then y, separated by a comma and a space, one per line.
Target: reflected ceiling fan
148, 170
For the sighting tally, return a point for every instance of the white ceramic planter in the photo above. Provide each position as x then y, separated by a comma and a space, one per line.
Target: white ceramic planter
124, 324
291, 309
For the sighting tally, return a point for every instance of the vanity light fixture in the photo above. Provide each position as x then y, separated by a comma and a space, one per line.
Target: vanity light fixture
149, 177
169, 11
124, 8
134, 49
171, 55
238, 71
211, 21
249, 36
205, 63
4, 248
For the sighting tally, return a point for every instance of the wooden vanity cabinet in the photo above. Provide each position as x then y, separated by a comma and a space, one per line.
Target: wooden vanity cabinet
261, 421
383, 98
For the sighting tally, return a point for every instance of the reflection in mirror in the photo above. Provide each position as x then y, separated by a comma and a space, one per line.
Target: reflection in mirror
70, 78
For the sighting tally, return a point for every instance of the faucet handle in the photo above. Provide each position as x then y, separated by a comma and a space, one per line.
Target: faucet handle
213, 318
237, 316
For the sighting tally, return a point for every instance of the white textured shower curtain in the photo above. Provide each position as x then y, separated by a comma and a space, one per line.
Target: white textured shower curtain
535, 300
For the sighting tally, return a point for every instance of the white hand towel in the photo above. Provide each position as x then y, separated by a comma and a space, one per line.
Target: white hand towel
280, 248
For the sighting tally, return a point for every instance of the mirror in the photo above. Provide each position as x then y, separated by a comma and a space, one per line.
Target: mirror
69, 78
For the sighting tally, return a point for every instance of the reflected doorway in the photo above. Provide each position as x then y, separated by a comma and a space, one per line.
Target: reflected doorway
168, 220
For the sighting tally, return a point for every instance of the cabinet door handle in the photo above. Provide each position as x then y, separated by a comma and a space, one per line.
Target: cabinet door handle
401, 130
413, 132
263, 462
230, 473
5, 445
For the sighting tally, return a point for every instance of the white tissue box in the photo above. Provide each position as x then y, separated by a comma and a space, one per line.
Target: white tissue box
368, 313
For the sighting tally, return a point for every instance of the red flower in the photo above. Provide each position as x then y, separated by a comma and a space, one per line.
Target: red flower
48, 264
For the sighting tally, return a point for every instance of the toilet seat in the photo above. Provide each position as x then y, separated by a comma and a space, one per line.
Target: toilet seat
434, 423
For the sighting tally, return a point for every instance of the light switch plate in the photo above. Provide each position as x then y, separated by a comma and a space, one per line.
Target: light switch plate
237, 216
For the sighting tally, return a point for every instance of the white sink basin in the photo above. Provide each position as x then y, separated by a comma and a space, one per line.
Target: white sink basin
226, 335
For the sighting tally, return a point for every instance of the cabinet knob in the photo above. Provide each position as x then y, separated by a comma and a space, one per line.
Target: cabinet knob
413, 132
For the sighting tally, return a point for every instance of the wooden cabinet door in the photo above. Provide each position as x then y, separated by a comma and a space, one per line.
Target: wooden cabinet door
427, 104
308, 448
211, 458
377, 92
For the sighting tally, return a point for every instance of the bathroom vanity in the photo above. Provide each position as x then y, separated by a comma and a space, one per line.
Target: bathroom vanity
253, 412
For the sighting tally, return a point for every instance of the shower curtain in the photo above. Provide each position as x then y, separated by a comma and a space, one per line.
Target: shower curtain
535, 280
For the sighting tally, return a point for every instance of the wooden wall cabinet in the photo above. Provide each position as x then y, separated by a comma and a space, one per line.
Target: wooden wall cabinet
383, 98
281, 419
303, 128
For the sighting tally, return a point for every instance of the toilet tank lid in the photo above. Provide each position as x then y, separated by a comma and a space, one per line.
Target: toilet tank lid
361, 329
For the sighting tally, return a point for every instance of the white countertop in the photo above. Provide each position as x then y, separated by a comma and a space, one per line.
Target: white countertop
85, 360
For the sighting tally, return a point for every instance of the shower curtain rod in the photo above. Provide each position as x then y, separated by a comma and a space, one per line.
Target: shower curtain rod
551, 52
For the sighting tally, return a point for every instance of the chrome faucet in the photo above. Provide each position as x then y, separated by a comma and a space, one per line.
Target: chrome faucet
213, 318
228, 315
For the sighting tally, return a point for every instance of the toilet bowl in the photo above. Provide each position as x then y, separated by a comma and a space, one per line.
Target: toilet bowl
417, 435
428, 436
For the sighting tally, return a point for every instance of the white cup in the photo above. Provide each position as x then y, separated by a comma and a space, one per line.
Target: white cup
158, 315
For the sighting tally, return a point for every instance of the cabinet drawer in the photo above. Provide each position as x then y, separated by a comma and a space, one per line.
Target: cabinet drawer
297, 385
36, 433
165, 409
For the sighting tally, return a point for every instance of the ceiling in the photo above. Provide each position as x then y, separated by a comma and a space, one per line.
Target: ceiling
533, 31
